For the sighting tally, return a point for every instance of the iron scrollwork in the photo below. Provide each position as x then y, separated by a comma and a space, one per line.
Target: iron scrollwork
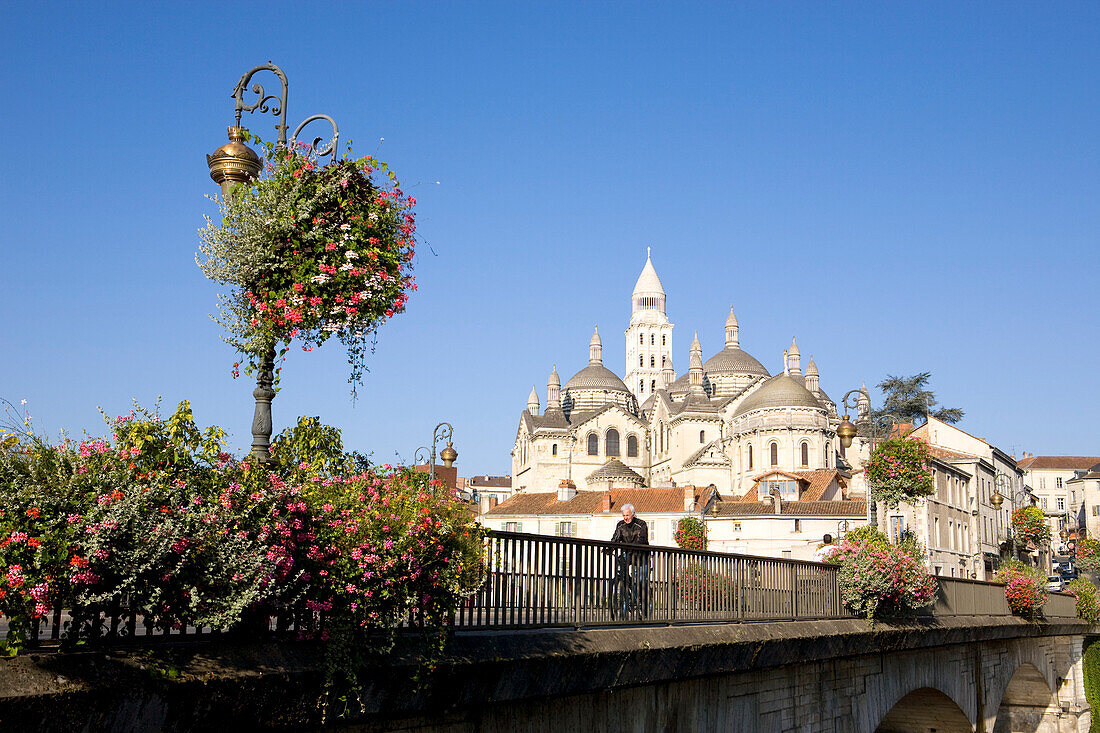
276, 105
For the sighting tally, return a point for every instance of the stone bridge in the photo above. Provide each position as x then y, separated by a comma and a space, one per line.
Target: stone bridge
988, 674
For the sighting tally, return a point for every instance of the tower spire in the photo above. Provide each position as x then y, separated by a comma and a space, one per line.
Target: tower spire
731, 331
595, 348
795, 359
553, 390
695, 368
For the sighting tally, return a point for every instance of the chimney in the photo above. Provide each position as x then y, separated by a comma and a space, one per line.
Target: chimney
605, 503
689, 498
492, 501
566, 490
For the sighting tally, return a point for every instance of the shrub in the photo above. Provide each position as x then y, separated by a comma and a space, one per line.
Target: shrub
1025, 587
1088, 603
691, 534
697, 585
899, 470
879, 579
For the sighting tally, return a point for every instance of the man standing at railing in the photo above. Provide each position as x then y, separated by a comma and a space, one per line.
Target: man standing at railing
632, 530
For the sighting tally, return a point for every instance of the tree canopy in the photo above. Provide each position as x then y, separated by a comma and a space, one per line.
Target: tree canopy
907, 398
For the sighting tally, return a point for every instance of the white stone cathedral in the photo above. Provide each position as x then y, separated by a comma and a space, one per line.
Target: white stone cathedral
727, 422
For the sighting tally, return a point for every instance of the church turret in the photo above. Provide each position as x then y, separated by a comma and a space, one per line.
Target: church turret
811, 375
595, 348
553, 390
731, 331
863, 404
695, 369
533, 401
668, 374
794, 360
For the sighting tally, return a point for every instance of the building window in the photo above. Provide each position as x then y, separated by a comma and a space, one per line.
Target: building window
641, 360
652, 361
805, 454
1061, 504
662, 339
786, 554
798, 525
702, 436
632, 446
566, 529
554, 449
652, 339
736, 526
641, 338
611, 443
787, 489
773, 450
653, 385
750, 456
826, 456
663, 357
897, 527
1058, 482
641, 386
593, 445
513, 527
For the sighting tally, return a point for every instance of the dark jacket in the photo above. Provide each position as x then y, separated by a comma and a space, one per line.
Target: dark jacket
635, 533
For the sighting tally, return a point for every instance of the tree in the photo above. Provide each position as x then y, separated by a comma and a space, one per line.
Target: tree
907, 398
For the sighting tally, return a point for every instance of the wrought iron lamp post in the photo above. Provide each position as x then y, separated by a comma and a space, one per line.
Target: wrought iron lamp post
1005, 489
847, 431
424, 454
234, 164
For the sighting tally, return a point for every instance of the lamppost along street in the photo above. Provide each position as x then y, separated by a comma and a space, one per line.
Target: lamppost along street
1005, 488
235, 164
426, 455
874, 426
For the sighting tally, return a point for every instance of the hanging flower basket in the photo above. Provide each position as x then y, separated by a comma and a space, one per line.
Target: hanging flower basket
1088, 554
690, 534
900, 470
1030, 526
311, 252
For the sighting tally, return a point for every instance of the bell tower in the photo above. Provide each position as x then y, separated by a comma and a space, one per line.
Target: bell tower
648, 337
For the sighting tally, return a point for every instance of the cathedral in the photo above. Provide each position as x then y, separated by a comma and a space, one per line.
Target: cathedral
727, 422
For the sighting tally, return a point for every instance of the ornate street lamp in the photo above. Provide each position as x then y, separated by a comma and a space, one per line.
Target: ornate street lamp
847, 431
234, 164
443, 432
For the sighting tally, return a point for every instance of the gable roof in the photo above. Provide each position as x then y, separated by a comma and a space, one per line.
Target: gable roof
841, 508
1060, 463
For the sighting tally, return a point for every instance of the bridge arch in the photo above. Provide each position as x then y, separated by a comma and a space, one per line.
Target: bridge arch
925, 709
1026, 701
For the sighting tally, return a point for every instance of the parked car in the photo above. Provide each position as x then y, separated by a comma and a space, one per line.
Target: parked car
1068, 575
1055, 583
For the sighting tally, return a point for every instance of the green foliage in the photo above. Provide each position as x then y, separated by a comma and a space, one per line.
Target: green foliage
314, 447
1030, 526
907, 398
691, 534
1088, 603
311, 252
899, 470
1091, 664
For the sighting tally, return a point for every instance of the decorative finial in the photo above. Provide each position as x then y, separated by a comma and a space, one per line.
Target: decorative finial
647, 249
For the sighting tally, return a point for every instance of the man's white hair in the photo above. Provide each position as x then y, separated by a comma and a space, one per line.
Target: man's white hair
630, 507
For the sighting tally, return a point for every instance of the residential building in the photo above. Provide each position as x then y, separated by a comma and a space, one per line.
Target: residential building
1063, 502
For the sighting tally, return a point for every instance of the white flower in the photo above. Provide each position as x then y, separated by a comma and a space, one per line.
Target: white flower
322, 278
372, 216
351, 254
345, 227
346, 266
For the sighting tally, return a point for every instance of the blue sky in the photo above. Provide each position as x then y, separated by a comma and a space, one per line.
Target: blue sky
904, 188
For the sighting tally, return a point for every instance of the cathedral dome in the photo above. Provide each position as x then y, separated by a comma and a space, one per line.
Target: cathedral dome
732, 360
596, 376
782, 390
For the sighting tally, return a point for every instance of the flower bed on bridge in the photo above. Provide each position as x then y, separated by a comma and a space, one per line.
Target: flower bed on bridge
161, 523
1025, 587
880, 579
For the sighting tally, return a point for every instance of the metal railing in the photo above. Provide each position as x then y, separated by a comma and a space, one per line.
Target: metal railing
541, 581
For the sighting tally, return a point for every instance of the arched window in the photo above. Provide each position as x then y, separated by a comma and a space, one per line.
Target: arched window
593, 444
612, 443
632, 446
662, 339
663, 357
805, 454
641, 338
641, 386
661, 430
652, 361
554, 449
652, 339
641, 360
774, 453
702, 436
826, 455
750, 456
653, 385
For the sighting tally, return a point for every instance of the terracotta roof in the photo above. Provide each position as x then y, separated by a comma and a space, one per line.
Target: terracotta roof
645, 501
819, 480
946, 454
1062, 463
845, 508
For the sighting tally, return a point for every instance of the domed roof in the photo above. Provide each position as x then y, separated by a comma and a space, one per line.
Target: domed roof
782, 390
732, 360
596, 376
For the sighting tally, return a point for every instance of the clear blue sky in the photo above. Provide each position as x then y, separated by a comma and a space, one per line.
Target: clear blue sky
903, 188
